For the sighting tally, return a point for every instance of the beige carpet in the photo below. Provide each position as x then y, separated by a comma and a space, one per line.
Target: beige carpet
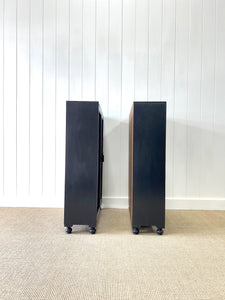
39, 261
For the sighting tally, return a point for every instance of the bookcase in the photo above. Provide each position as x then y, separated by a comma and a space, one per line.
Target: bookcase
84, 164
147, 142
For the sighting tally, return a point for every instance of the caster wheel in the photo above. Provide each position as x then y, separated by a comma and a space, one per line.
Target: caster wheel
135, 230
68, 230
159, 231
92, 230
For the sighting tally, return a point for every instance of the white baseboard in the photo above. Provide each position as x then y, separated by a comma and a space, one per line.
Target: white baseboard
114, 202
171, 203
38, 201
195, 204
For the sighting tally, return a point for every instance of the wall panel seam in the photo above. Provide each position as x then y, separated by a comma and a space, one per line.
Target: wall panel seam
3, 101
148, 49
42, 121
69, 53
201, 118
82, 52
108, 55
135, 16
16, 91
215, 68
174, 89
121, 88
95, 81
187, 101
161, 62
56, 77
29, 94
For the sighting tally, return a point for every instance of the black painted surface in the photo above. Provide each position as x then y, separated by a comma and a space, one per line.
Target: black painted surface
84, 148
149, 133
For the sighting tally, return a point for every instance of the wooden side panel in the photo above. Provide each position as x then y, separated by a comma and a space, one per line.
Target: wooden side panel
131, 121
81, 180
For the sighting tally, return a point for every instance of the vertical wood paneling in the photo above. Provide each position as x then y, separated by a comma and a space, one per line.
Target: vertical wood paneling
115, 52
102, 72
88, 50
181, 98
36, 89
112, 130
127, 86
76, 21
2, 9
128, 57
141, 50
167, 84
194, 100
102, 9
115, 75
62, 60
49, 98
10, 97
219, 109
208, 98
23, 97
155, 49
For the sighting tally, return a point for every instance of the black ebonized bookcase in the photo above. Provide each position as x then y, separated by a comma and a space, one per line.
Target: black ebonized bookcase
84, 164
147, 142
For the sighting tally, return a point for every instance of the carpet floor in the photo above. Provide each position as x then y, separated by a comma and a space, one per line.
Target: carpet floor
39, 261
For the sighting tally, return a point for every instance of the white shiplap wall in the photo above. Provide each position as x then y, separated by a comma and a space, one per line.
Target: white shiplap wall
113, 51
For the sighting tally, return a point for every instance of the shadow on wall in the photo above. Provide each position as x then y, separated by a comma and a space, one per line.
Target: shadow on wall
195, 160
115, 174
